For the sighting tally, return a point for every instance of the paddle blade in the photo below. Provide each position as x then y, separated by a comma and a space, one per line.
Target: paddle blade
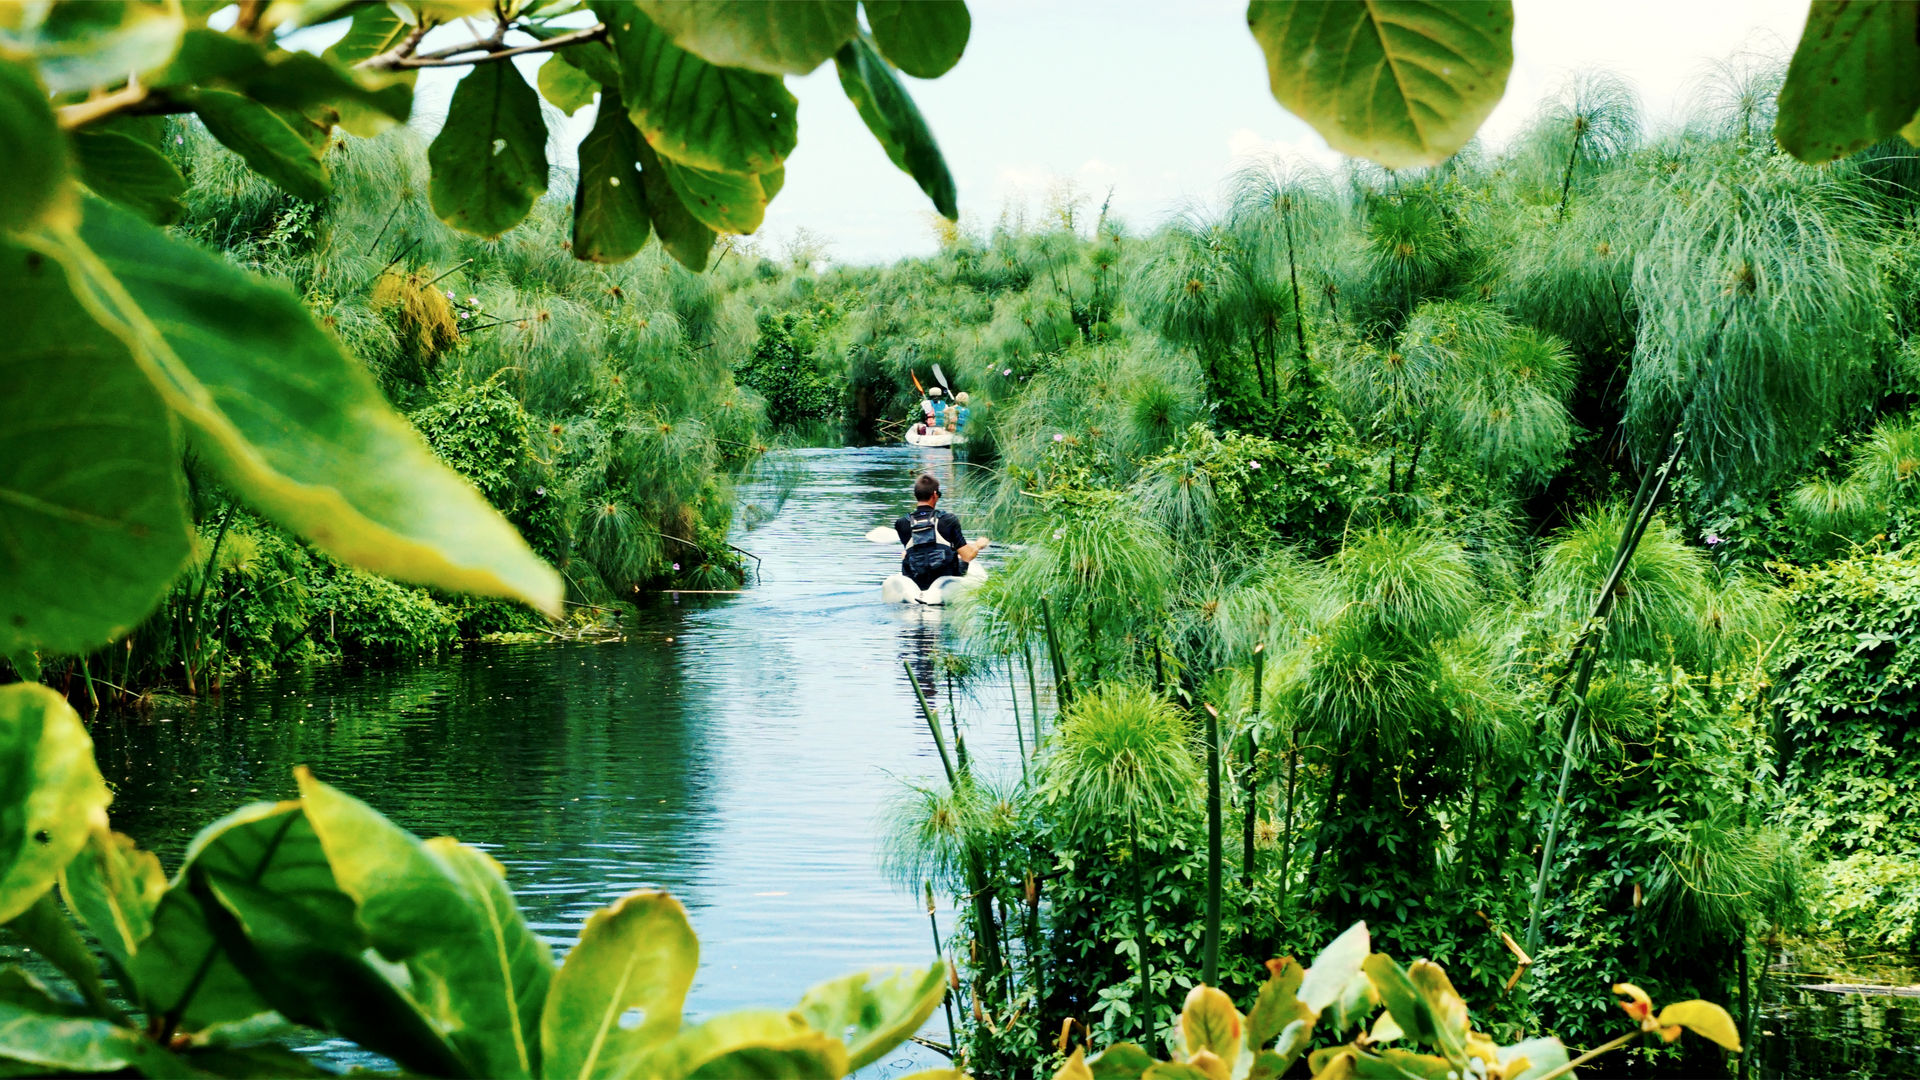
883, 534
942, 377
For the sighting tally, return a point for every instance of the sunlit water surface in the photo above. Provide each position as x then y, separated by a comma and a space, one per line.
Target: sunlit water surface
736, 750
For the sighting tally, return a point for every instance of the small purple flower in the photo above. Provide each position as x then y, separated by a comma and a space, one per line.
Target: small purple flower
1253, 464
539, 491
1009, 371
474, 300
449, 294
1057, 437
676, 568
1713, 540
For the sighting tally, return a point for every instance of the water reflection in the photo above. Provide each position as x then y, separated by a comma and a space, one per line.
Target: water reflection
735, 750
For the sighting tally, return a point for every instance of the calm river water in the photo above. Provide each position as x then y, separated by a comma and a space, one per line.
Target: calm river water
736, 750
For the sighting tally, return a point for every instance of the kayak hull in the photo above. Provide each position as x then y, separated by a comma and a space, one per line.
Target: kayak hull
935, 437
900, 589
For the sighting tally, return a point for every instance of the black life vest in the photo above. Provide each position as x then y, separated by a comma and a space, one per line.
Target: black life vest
929, 555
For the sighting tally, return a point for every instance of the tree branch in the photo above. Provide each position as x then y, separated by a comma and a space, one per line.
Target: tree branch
488, 47
86, 112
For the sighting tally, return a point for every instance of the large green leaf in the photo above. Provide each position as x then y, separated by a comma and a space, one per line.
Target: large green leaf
93, 514
638, 954
305, 953
1400, 82
300, 80
695, 112
114, 888
722, 201
514, 972
181, 969
33, 186
610, 220
490, 159
1403, 1000
46, 929
788, 38
82, 1044
292, 422
566, 87
51, 793
684, 236
80, 46
769, 1045
874, 1015
923, 38
376, 28
122, 168
1854, 79
269, 140
477, 969
894, 119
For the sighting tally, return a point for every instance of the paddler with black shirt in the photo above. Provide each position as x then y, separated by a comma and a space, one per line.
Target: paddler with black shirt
935, 546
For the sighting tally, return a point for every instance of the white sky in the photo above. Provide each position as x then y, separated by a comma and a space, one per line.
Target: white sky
1156, 100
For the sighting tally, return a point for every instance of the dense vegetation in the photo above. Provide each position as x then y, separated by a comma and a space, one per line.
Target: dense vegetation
1509, 548
1377, 442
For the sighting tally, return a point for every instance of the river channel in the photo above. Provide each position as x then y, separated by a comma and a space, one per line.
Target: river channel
737, 750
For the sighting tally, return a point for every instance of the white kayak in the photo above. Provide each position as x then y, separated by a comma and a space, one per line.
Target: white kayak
933, 437
900, 589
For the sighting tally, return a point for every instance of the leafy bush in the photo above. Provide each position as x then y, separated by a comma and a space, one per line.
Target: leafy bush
783, 373
1848, 701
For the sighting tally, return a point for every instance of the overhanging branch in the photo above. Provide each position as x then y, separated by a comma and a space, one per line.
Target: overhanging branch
488, 48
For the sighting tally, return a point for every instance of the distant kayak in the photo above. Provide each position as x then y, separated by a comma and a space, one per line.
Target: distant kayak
900, 589
921, 435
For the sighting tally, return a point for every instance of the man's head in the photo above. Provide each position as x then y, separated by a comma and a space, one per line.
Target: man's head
933, 391
926, 490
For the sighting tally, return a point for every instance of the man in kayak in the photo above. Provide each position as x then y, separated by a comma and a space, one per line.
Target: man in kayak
935, 546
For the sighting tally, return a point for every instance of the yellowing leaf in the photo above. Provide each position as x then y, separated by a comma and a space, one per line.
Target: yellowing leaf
1210, 1024
1399, 82
1075, 1067
51, 794
1277, 1005
761, 1044
1638, 1005
874, 1015
638, 954
1705, 1019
